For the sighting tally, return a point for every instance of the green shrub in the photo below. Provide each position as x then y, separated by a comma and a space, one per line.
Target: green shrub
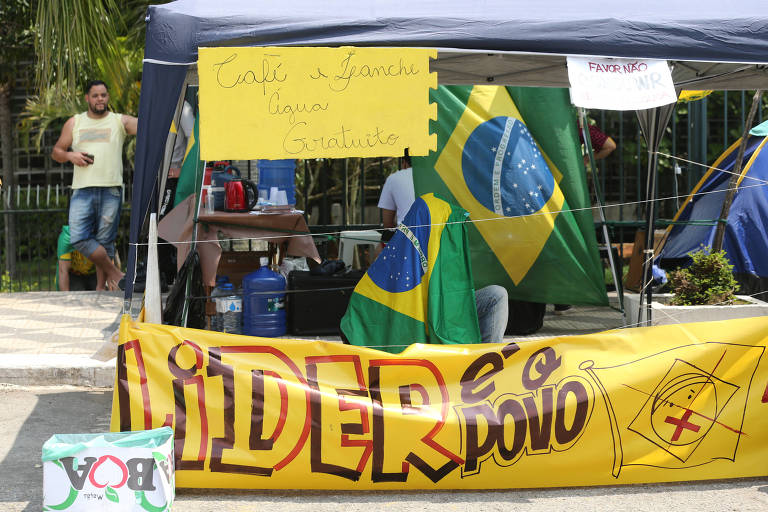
10, 285
709, 280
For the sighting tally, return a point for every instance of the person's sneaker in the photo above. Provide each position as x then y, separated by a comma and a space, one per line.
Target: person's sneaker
560, 309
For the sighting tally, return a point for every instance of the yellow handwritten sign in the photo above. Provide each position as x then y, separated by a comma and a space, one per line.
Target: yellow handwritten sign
294, 102
669, 403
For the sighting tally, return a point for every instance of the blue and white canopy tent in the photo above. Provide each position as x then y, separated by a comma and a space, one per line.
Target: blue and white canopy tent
714, 46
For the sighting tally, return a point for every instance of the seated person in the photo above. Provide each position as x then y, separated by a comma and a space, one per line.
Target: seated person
492, 312
75, 271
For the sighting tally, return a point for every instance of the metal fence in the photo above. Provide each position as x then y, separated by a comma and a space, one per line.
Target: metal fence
345, 192
697, 134
31, 219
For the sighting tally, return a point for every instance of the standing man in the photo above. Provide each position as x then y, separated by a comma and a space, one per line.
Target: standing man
602, 144
96, 138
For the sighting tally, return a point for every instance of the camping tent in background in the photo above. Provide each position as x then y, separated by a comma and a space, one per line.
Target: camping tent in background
746, 232
512, 158
503, 43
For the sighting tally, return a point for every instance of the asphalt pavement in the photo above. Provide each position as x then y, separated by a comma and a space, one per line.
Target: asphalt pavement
56, 373
34, 413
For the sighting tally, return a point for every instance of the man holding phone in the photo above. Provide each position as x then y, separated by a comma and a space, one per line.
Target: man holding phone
93, 142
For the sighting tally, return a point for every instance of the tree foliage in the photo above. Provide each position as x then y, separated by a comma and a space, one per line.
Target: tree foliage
325, 181
15, 36
81, 40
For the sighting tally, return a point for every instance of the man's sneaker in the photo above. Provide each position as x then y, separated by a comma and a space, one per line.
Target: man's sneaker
560, 309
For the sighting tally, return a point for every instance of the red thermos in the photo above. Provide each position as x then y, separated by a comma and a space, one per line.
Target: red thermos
240, 195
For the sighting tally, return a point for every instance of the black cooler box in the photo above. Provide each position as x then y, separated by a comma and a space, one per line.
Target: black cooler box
525, 317
315, 304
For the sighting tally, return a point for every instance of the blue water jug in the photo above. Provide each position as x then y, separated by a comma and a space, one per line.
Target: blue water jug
264, 313
279, 174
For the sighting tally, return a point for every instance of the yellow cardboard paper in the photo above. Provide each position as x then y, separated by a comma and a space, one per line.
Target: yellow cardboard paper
657, 404
297, 102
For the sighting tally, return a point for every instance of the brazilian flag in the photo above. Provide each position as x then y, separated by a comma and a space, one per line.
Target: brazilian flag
191, 175
511, 157
419, 289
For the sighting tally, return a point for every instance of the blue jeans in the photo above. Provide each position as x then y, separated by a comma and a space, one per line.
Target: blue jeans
94, 214
492, 312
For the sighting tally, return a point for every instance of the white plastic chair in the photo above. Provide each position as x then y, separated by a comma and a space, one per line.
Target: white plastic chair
348, 240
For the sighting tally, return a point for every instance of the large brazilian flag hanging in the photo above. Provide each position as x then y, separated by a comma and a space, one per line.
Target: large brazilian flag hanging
419, 289
511, 157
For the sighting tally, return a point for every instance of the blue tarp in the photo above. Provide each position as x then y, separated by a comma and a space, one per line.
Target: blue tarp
545, 31
746, 232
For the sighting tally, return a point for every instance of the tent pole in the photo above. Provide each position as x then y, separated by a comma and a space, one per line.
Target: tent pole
653, 122
170, 143
650, 224
153, 304
717, 242
601, 209
647, 119
199, 175
152, 255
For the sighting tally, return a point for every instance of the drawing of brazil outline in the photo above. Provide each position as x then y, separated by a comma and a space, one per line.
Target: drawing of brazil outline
692, 415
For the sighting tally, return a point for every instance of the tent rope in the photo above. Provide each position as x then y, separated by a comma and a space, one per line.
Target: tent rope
335, 234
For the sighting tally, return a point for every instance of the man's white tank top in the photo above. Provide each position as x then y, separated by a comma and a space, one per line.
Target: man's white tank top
103, 138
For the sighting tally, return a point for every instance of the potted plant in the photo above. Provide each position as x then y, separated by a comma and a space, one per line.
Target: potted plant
707, 281
703, 291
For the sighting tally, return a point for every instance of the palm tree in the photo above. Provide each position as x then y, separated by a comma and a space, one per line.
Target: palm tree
80, 40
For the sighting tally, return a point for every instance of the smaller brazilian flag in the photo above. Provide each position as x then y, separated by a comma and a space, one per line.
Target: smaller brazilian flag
419, 289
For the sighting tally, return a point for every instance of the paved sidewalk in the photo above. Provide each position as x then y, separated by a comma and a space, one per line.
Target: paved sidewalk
57, 322
50, 338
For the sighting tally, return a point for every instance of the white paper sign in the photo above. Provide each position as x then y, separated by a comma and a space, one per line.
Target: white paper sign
620, 84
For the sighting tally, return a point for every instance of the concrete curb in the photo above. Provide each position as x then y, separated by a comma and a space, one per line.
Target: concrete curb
56, 369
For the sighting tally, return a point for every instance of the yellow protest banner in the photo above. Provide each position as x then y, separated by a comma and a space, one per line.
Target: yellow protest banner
297, 102
657, 404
